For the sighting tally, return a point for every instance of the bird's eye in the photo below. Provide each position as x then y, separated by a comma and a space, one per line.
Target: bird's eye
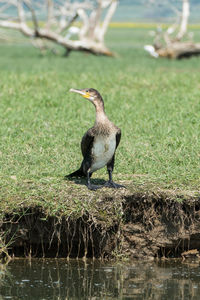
87, 91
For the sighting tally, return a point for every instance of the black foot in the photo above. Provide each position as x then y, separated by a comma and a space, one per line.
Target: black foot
111, 184
94, 187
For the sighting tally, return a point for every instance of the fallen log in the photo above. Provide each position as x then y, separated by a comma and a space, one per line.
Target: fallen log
178, 50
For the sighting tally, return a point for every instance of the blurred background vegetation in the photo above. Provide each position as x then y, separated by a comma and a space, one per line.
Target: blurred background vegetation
153, 11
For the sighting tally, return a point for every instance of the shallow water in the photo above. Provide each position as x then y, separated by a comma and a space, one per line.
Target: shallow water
61, 279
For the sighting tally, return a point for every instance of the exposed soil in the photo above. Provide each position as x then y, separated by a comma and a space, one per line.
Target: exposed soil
159, 227
146, 225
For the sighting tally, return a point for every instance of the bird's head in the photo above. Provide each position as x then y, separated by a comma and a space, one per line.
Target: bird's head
91, 94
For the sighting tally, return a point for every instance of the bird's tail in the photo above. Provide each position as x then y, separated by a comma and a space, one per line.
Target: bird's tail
78, 173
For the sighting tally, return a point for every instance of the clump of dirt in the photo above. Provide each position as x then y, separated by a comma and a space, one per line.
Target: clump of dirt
125, 224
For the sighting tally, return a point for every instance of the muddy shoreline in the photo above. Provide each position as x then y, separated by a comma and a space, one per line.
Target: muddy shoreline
141, 225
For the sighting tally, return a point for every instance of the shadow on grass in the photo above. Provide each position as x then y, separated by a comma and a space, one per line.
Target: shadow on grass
82, 181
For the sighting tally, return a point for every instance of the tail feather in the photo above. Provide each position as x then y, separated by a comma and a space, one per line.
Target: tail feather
78, 173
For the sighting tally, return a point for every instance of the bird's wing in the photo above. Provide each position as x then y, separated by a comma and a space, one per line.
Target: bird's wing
118, 137
87, 142
110, 164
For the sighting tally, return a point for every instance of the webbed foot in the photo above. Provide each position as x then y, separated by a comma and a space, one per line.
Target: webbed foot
112, 184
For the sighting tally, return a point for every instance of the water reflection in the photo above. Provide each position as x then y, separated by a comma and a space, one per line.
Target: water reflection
62, 279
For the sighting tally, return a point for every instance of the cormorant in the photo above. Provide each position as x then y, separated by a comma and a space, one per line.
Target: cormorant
99, 143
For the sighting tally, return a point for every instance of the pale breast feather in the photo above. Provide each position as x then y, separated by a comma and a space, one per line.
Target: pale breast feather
102, 151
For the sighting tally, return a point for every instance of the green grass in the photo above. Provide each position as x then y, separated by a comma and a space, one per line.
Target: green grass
156, 103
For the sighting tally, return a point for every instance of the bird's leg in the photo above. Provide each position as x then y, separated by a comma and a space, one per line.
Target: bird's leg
110, 183
91, 186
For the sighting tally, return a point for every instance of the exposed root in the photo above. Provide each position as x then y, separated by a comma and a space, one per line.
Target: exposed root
53, 237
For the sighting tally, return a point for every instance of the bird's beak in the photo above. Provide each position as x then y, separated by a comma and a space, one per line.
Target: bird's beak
81, 92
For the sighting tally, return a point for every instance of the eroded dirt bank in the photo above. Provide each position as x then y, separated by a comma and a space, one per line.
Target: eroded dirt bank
133, 225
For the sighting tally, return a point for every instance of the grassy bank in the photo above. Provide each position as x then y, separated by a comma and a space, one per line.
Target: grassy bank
154, 102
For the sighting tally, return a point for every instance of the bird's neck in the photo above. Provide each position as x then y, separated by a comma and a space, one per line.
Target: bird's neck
100, 115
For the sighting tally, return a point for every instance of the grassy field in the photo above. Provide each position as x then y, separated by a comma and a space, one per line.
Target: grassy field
156, 103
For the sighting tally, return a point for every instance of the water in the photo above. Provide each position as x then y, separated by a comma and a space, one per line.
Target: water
61, 279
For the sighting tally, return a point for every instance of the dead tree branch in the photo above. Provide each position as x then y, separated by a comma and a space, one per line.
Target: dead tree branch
58, 27
170, 43
184, 20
